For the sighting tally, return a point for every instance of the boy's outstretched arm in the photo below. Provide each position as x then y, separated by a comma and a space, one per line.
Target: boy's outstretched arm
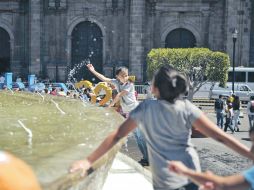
106, 145
208, 128
208, 180
117, 98
100, 76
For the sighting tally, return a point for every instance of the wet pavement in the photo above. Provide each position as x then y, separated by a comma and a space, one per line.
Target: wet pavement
214, 156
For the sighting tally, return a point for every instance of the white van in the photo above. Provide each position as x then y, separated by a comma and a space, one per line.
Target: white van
242, 90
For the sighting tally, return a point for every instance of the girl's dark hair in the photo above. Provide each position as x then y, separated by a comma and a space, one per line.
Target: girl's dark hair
170, 83
120, 69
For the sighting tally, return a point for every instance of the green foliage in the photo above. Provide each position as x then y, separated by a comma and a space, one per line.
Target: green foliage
200, 64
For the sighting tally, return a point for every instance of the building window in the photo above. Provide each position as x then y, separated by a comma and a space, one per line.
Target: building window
52, 4
57, 4
114, 4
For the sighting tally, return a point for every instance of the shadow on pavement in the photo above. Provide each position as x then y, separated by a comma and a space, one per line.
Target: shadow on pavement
246, 139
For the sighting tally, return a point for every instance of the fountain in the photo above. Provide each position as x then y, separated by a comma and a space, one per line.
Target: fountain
49, 133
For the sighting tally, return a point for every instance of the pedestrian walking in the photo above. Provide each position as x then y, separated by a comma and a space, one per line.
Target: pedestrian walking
236, 109
219, 109
229, 118
250, 112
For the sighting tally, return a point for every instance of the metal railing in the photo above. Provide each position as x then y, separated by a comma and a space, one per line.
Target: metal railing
140, 89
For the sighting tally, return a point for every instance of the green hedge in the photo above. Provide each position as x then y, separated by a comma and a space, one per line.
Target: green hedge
212, 65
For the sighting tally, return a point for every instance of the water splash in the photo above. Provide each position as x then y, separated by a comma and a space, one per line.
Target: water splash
73, 71
41, 96
57, 106
29, 132
10, 90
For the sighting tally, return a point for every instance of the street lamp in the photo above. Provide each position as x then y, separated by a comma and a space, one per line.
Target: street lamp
234, 37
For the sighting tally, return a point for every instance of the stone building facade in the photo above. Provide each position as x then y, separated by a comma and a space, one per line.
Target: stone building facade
50, 37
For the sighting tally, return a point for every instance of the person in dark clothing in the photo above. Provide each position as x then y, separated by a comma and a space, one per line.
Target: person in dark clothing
236, 110
219, 109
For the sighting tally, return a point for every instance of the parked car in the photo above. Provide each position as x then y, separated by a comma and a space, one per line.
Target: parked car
242, 90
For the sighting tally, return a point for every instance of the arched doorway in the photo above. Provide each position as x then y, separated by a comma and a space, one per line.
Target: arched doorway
86, 44
180, 38
5, 51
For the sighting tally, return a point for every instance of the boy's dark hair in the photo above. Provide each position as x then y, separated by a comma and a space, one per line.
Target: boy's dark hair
251, 130
120, 69
170, 83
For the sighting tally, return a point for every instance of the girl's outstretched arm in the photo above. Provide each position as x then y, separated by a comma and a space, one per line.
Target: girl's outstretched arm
208, 128
208, 180
107, 144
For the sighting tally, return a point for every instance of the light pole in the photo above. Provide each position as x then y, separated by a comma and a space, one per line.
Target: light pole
234, 37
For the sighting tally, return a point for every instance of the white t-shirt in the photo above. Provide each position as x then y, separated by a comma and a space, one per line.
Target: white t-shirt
167, 128
128, 102
2, 79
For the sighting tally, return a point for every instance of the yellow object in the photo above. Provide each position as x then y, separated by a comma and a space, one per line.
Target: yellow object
231, 99
97, 90
132, 78
85, 83
15, 174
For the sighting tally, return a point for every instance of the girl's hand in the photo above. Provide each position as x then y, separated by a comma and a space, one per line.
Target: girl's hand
208, 186
177, 167
90, 67
83, 165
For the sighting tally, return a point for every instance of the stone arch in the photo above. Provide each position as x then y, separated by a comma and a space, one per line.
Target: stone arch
180, 38
172, 26
72, 25
8, 29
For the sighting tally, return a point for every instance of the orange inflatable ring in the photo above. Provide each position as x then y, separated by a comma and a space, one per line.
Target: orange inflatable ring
15, 174
85, 83
132, 78
97, 90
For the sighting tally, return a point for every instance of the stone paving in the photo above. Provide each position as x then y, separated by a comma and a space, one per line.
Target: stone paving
214, 156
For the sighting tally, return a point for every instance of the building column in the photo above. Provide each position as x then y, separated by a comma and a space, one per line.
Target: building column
136, 53
35, 36
237, 17
231, 23
252, 36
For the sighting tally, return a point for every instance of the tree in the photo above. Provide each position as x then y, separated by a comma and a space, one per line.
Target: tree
200, 65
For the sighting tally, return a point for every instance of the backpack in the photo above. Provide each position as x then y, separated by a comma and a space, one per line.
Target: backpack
219, 104
252, 107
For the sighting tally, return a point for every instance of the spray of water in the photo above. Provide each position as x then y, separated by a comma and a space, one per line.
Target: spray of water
41, 96
57, 106
71, 78
28, 131
10, 90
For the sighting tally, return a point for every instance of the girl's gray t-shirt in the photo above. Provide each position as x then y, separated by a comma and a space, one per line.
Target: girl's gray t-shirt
167, 128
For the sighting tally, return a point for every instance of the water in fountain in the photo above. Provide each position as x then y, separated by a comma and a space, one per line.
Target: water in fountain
51, 134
